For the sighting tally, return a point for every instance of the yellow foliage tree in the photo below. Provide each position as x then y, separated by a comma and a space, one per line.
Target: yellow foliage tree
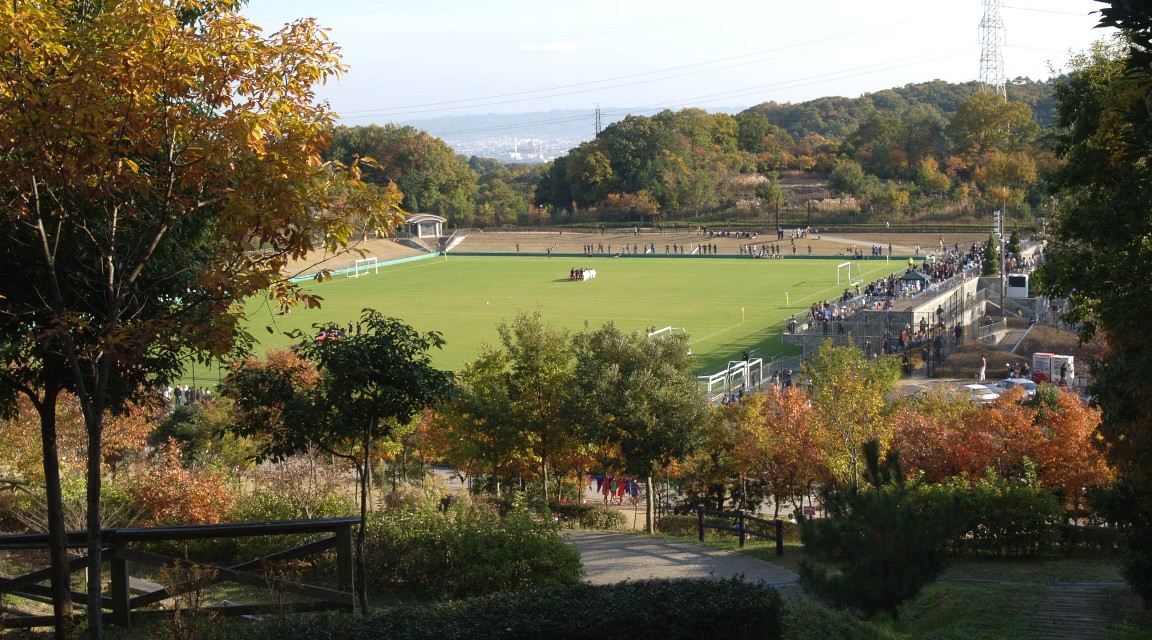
848, 392
161, 162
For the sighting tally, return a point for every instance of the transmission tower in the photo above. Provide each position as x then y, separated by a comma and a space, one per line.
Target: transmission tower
992, 48
597, 120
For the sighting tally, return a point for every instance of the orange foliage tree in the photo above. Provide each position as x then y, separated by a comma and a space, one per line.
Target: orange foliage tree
999, 436
927, 433
169, 493
776, 445
1071, 455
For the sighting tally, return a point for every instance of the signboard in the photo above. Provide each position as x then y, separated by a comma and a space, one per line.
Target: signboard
809, 511
1042, 367
1017, 285
1063, 366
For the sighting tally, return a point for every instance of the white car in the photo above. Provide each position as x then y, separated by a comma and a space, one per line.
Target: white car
1011, 383
979, 392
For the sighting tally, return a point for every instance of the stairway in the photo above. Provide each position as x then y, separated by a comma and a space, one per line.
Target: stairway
1076, 612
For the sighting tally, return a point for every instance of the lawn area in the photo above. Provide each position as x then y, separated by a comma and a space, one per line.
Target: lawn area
727, 305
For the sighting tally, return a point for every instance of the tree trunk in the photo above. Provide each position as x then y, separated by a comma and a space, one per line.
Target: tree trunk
95, 544
544, 469
57, 541
649, 504
361, 581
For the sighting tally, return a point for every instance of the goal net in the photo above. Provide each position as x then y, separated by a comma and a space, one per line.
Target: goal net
846, 275
365, 266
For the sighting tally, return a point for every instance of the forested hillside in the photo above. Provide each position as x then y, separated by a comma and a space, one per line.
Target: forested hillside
926, 149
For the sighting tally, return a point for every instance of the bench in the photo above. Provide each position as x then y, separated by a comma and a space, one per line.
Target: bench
140, 586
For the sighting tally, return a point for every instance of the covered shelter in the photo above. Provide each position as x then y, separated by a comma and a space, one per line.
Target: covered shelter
916, 276
424, 225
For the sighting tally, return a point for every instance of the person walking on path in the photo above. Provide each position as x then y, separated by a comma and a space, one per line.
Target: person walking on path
983, 367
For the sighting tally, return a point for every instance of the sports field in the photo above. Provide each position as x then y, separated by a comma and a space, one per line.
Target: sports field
727, 305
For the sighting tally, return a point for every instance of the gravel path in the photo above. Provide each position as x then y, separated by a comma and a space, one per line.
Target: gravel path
613, 557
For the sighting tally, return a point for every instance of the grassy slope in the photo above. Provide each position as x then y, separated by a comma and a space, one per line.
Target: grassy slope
727, 305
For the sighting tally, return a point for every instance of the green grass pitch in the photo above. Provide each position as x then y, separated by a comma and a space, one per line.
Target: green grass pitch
727, 305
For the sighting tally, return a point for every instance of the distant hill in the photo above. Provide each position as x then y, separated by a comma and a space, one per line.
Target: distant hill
836, 117
545, 135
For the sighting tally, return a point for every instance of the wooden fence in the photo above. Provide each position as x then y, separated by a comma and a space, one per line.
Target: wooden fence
744, 525
121, 547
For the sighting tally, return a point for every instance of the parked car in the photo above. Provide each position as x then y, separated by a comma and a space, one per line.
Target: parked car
1011, 383
979, 392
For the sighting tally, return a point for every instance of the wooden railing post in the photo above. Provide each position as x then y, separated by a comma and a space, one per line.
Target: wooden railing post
118, 578
740, 523
779, 537
700, 514
344, 558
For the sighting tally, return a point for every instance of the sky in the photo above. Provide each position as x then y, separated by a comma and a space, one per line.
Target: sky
429, 58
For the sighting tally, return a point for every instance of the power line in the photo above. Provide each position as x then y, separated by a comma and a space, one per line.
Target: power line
706, 66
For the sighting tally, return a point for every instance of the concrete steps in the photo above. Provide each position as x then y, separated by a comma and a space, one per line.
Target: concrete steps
1076, 612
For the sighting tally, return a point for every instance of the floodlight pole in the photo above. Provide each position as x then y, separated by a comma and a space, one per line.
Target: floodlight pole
1003, 263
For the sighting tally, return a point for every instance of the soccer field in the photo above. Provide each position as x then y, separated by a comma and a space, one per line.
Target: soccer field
727, 305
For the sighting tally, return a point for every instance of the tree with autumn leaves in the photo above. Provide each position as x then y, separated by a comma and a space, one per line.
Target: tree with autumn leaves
848, 391
793, 442
161, 161
774, 444
942, 437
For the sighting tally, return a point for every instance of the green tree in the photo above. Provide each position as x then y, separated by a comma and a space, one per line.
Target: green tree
1100, 234
430, 175
368, 384
986, 122
149, 148
877, 146
508, 205
848, 393
514, 394
639, 394
770, 193
1014, 241
891, 199
886, 543
991, 257
929, 177
848, 178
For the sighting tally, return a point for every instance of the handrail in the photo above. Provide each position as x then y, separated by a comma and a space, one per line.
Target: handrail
124, 607
741, 526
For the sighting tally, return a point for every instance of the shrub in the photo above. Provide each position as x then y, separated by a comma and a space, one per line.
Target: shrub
465, 550
588, 516
646, 610
807, 620
999, 516
674, 525
1091, 539
431, 493
270, 505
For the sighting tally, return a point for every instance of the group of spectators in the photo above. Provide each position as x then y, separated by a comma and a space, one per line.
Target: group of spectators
876, 251
713, 233
184, 395
766, 250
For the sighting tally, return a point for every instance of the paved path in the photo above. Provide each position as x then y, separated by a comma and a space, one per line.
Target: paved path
614, 557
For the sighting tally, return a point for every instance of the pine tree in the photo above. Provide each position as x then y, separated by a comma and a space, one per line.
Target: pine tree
886, 544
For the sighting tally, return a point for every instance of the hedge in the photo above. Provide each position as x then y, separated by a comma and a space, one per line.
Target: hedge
644, 610
588, 516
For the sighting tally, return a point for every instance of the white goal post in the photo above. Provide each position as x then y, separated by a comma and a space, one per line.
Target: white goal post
846, 275
365, 266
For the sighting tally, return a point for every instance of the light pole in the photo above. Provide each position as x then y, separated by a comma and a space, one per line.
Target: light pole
998, 228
